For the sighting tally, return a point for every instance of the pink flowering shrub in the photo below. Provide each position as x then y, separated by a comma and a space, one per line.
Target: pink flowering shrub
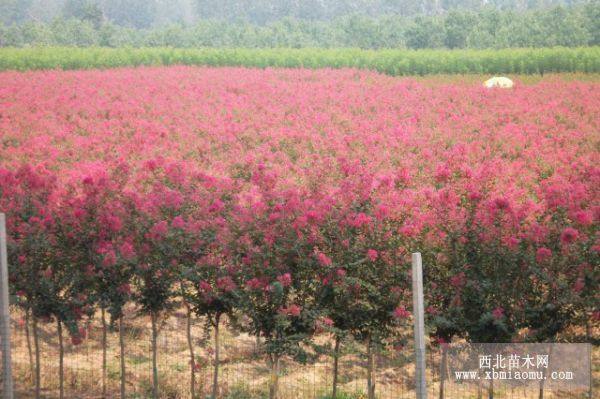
273, 234
96, 231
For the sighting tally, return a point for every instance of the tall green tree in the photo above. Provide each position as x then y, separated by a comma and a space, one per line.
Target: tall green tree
14, 11
85, 10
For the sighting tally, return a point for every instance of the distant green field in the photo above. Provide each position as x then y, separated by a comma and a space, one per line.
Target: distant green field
392, 62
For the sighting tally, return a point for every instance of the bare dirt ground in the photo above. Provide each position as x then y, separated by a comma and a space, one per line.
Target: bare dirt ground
244, 373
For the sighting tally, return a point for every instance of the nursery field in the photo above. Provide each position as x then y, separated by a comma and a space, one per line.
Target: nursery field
284, 204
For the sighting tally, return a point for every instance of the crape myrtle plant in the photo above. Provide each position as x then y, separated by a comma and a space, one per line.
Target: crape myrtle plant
483, 250
275, 269
567, 254
563, 259
24, 196
41, 274
363, 269
64, 295
476, 301
482, 259
97, 233
442, 315
208, 278
166, 235
560, 258
214, 295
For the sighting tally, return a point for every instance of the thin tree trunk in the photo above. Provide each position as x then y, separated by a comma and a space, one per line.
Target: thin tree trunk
36, 343
153, 317
258, 345
588, 330
191, 349
442, 373
274, 386
336, 358
432, 362
29, 348
61, 360
215, 387
104, 345
491, 389
370, 370
591, 369
122, 355
541, 393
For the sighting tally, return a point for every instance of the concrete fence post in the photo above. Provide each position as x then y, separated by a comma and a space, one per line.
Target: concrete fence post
419, 326
7, 391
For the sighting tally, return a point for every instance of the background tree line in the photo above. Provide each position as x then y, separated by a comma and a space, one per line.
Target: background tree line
146, 13
377, 24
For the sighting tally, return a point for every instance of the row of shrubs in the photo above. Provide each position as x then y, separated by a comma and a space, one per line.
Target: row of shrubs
391, 61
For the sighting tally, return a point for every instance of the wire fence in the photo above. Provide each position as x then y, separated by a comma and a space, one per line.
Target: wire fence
244, 372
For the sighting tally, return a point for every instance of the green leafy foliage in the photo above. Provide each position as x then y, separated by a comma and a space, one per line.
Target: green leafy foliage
159, 23
392, 62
